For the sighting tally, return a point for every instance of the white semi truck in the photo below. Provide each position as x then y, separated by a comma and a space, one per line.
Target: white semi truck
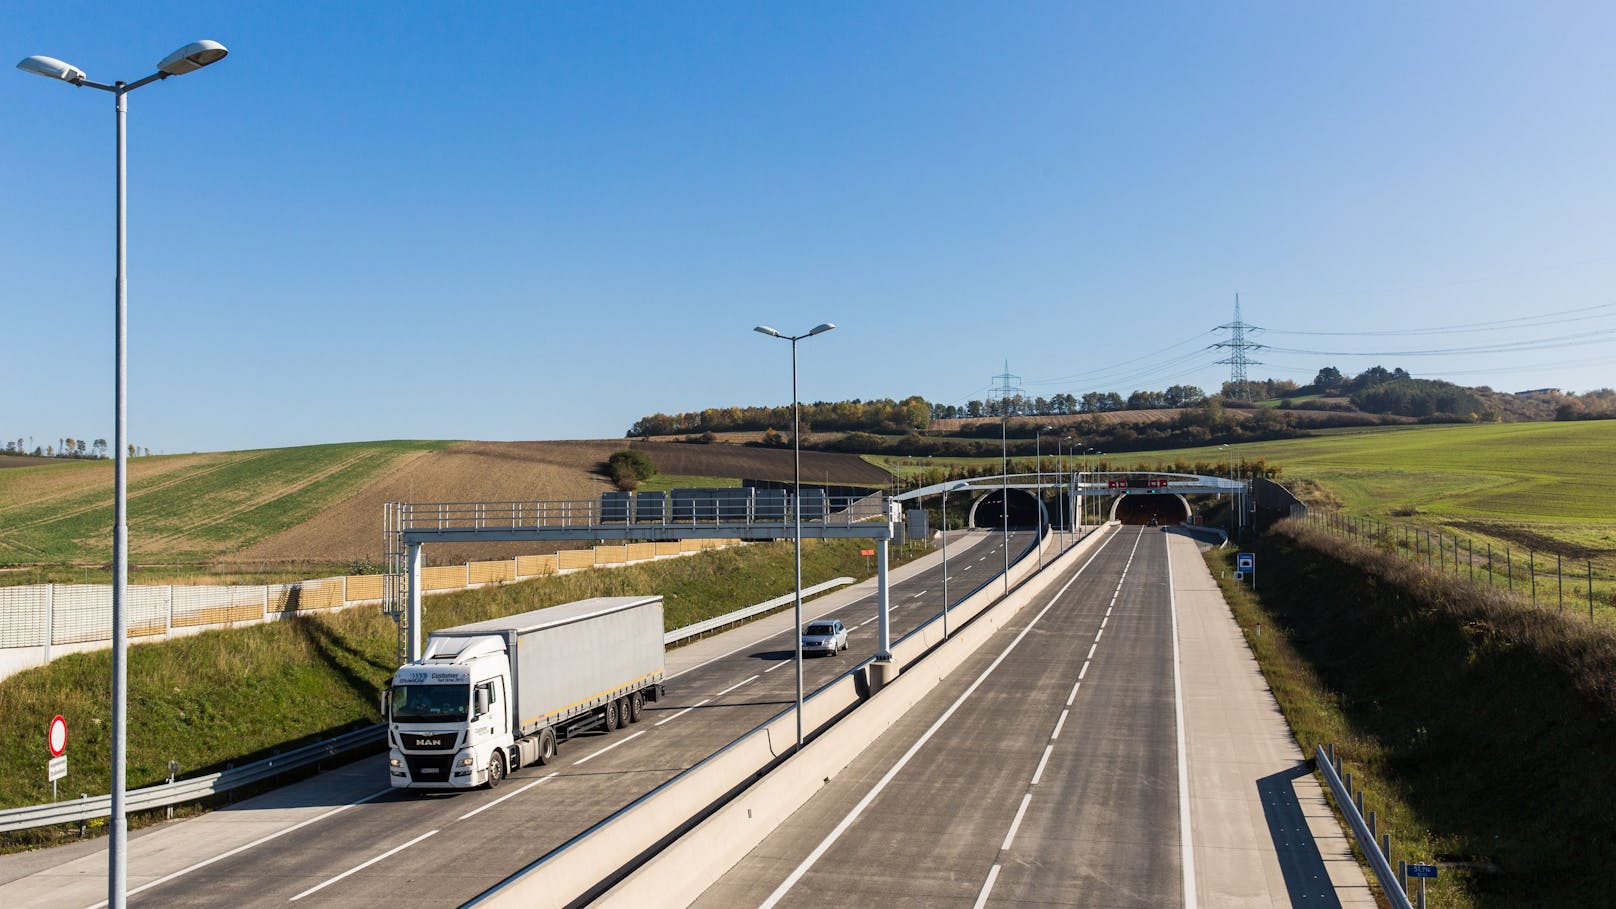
489, 697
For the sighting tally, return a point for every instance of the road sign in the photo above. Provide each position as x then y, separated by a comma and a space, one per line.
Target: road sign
1422, 871
58, 768
56, 736
1246, 561
866, 552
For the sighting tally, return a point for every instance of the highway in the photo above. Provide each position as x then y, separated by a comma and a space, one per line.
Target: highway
377, 846
1044, 771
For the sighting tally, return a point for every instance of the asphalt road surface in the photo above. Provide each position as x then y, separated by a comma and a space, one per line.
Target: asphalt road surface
1044, 771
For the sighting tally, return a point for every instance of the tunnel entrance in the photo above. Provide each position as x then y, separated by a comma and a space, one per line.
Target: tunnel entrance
988, 511
1136, 509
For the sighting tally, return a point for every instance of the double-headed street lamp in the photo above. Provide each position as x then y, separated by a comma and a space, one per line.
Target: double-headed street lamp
796, 483
961, 484
1038, 468
187, 59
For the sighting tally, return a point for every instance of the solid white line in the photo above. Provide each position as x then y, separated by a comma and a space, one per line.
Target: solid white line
243, 848
1039, 773
892, 772
476, 811
622, 741
357, 868
688, 709
987, 887
735, 686
1186, 836
1061, 722
1016, 824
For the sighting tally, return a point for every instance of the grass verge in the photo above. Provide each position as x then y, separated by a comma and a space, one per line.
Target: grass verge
242, 694
1474, 722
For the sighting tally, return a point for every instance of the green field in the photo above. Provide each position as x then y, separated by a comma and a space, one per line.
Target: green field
666, 482
182, 508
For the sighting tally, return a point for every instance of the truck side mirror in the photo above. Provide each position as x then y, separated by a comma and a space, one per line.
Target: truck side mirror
482, 701
387, 705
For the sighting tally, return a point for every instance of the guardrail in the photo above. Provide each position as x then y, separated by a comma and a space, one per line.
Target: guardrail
164, 794
1378, 852
178, 792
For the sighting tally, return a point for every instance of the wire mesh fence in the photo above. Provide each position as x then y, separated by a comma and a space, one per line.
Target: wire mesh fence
1543, 578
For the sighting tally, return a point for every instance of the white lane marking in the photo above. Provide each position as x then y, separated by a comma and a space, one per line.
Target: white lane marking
1016, 824
762, 639
1108, 612
1073, 696
1104, 619
735, 686
781, 664
1082, 672
987, 887
1097, 635
688, 709
1186, 837
892, 772
863, 623
1061, 722
622, 741
918, 595
243, 848
1092, 648
1039, 773
966, 568
476, 811
357, 868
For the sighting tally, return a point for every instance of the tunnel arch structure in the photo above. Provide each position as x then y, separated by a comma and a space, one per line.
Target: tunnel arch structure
1025, 510
1137, 509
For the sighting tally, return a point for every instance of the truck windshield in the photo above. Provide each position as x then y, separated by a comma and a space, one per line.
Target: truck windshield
430, 703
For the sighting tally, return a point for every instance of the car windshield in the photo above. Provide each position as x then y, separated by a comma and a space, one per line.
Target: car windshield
430, 703
821, 630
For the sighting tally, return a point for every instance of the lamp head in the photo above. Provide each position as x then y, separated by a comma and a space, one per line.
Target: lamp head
766, 330
822, 328
52, 67
192, 57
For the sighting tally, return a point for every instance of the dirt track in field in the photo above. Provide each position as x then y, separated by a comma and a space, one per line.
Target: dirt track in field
521, 471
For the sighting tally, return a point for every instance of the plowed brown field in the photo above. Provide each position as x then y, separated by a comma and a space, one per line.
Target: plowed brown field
522, 471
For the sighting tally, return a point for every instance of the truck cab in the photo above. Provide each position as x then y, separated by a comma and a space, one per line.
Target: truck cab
450, 715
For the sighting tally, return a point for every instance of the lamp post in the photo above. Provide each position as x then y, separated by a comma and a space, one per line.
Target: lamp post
796, 504
187, 59
946, 489
1038, 470
1066, 488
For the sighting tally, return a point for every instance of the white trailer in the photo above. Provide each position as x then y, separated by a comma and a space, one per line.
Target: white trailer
489, 697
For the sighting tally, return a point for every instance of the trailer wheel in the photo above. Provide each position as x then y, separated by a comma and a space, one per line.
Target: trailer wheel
547, 747
636, 707
611, 715
496, 769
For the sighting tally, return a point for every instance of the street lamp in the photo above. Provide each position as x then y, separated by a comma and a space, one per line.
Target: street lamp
1038, 469
796, 504
187, 59
946, 490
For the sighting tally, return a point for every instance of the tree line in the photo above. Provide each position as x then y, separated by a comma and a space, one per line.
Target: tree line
68, 447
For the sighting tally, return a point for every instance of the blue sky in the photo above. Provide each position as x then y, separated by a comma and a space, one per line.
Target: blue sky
543, 220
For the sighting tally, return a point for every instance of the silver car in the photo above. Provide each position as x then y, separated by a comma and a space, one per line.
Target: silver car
825, 636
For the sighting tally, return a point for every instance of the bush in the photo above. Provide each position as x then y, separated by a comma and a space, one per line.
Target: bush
629, 468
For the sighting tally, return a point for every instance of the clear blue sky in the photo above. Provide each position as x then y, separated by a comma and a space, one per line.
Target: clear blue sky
543, 220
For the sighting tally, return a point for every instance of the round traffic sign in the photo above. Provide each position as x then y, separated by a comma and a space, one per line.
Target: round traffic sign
56, 736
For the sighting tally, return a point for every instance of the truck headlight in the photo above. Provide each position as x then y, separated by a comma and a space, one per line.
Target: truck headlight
395, 762
465, 761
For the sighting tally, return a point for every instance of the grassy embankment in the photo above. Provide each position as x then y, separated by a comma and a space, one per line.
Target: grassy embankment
240, 694
184, 510
1475, 723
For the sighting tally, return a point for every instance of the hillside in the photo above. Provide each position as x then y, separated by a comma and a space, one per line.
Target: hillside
322, 504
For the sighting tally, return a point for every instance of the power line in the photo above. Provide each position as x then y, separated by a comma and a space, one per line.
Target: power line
1533, 321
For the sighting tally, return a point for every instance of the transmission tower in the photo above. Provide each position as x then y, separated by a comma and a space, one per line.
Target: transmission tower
1007, 387
1237, 360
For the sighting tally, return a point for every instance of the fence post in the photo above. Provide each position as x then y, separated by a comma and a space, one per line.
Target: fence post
1590, 591
1489, 564
1509, 569
344, 591
1470, 553
1559, 582
168, 611
50, 613
266, 603
1531, 571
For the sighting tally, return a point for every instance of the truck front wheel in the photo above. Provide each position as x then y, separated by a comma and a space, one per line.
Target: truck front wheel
496, 769
547, 747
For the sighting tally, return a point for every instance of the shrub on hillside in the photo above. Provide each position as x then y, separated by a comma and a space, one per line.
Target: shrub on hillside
629, 468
